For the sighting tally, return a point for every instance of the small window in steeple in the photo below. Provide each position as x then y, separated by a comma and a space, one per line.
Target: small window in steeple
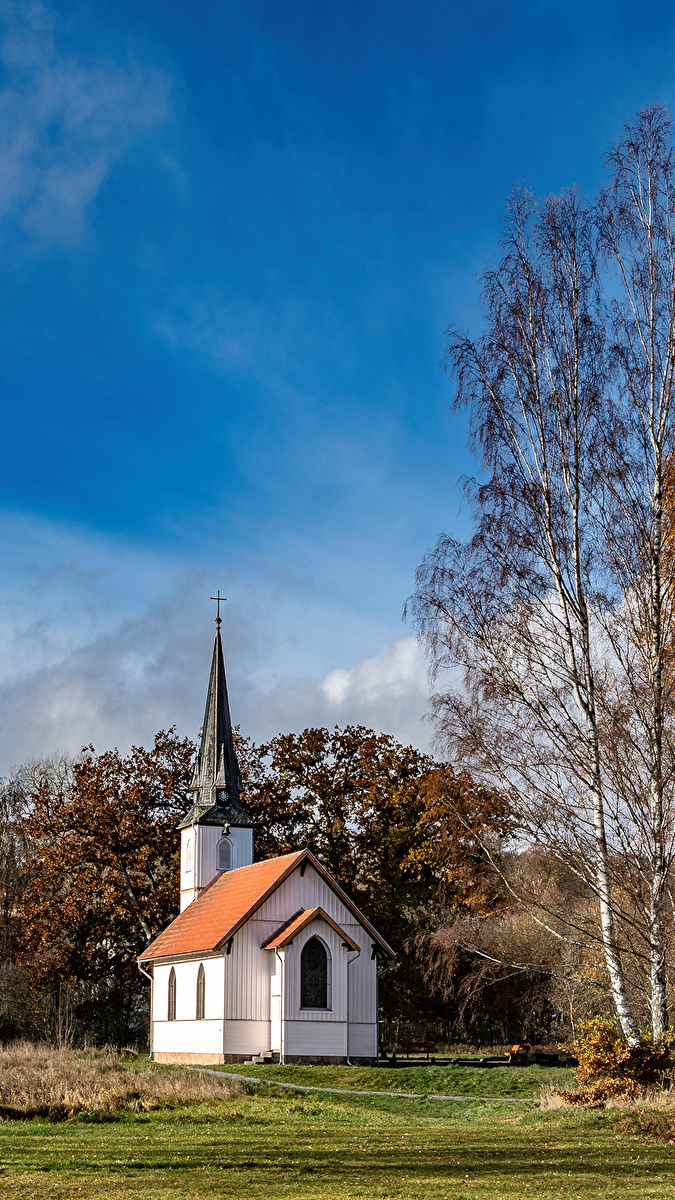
188, 855
224, 854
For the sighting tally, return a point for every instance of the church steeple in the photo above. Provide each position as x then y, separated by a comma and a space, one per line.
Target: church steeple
216, 789
216, 778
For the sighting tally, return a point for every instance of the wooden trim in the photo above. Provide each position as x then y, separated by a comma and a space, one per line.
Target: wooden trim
307, 856
311, 914
184, 956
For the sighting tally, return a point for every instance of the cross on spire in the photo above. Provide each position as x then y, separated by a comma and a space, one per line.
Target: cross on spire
218, 599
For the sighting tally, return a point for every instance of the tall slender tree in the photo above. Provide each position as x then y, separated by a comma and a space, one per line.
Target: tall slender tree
560, 609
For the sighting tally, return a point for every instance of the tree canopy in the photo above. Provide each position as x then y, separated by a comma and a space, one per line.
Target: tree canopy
558, 611
102, 871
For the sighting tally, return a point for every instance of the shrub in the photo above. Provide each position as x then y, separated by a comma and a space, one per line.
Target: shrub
610, 1068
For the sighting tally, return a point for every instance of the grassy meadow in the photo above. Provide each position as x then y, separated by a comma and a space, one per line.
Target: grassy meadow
158, 1132
514, 1082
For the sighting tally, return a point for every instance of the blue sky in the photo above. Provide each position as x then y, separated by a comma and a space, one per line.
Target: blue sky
233, 235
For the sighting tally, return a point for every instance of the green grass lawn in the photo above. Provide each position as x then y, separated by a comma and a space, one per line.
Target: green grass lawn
338, 1147
447, 1081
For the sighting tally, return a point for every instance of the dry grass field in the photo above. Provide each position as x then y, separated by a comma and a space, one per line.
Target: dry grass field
59, 1084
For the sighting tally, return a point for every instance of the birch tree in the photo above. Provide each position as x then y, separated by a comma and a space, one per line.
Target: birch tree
635, 218
559, 610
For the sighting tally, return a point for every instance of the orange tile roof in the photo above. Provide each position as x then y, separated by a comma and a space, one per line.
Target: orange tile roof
223, 907
301, 920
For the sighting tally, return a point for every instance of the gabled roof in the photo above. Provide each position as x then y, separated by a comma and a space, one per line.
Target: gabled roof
285, 934
223, 907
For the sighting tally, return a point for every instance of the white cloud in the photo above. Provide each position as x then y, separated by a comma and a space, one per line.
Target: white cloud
104, 642
63, 122
387, 691
395, 672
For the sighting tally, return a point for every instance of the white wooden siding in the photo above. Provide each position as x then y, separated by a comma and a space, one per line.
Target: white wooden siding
247, 1037
192, 1037
363, 986
318, 1038
362, 1041
247, 977
186, 990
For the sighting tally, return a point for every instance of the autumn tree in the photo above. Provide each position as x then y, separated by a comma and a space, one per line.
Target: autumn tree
15, 1017
353, 797
401, 833
101, 879
559, 611
466, 829
377, 813
506, 975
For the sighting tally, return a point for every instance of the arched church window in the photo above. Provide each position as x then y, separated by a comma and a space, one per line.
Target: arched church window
224, 854
172, 995
314, 975
201, 992
188, 855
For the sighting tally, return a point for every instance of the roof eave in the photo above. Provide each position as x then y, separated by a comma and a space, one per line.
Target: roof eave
279, 940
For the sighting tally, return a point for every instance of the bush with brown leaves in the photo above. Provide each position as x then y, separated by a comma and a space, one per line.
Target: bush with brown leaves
610, 1069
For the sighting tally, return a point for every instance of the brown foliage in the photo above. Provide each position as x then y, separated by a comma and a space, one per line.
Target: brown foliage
503, 970
354, 797
610, 1068
101, 878
397, 830
400, 833
465, 828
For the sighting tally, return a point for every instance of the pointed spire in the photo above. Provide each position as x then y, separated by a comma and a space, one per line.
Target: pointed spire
218, 766
216, 780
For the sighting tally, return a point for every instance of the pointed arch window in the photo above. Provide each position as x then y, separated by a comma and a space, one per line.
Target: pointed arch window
224, 854
172, 995
201, 992
314, 975
188, 855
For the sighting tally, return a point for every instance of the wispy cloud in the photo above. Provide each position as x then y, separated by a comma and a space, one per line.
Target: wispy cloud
64, 120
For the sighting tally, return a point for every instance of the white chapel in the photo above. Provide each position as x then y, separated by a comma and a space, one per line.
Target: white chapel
264, 957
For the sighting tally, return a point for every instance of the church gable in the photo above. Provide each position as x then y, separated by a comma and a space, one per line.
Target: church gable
308, 889
301, 920
269, 892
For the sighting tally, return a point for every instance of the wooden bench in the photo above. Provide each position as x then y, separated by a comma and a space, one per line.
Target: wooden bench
409, 1048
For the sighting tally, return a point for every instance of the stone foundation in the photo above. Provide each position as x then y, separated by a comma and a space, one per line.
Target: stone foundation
180, 1056
206, 1060
327, 1060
